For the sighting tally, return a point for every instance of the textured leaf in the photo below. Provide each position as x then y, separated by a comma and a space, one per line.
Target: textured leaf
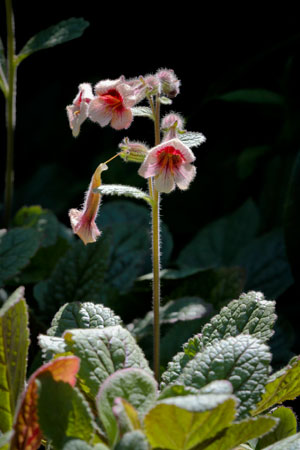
192, 138
126, 416
290, 443
14, 342
134, 440
142, 111
241, 432
286, 427
51, 346
17, 246
218, 243
134, 385
82, 315
250, 314
26, 426
283, 385
102, 352
57, 34
243, 360
259, 96
126, 191
79, 274
215, 387
62, 411
180, 423
78, 444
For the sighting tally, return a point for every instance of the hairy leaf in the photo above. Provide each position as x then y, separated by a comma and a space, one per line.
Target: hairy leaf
134, 440
192, 138
281, 386
57, 34
142, 111
290, 443
14, 342
243, 360
134, 385
180, 423
286, 427
126, 191
82, 315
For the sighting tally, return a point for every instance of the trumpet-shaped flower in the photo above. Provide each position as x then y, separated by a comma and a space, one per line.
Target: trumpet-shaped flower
83, 221
78, 111
113, 102
170, 165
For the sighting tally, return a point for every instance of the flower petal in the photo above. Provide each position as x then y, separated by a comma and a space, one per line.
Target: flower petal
121, 119
99, 112
164, 182
184, 175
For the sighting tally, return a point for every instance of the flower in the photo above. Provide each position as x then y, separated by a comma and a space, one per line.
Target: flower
171, 125
78, 111
133, 151
169, 82
170, 165
83, 221
113, 102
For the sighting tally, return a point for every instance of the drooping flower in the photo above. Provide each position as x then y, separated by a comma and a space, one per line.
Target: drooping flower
169, 82
172, 124
78, 111
133, 151
112, 103
83, 221
170, 165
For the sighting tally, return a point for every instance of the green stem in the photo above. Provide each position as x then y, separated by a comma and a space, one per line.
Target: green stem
156, 256
10, 114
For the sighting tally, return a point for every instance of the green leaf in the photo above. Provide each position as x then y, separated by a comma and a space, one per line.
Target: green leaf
192, 138
79, 274
127, 191
51, 346
218, 243
134, 440
78, 444
180, 423
17, 246
240, 432
134, 385
286, 427
282, 385
14, 342
142, 111
266, 264
82, 315
250, 314
57, 34
215, 387
259, 96
290, 443
249, 159
62, 411
243, 360
5, 439
102, 352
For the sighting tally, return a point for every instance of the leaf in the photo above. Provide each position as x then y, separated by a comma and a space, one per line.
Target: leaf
17, 246
57, 34
51, 346
62, 411
243, 360
286, 427
192, 138
250, 314
240, 432
282, 385
79, 274
180, 423
134, 440
265, 262
82, 315
14, 342
259, 96
102, 352
126, 416
26, 424
142, 111
290, 443
249, 159
218, 243
127, 191
215, 387
134, 385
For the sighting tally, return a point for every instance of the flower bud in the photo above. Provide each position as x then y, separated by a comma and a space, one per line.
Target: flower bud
169, 82
133, 151
172, 125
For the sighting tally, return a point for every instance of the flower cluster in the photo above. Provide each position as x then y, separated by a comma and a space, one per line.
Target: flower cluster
168, 164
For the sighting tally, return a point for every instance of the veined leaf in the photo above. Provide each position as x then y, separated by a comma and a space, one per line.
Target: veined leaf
192, 138
57, 34
126, 191
134, 440
14, 342
286, 427
290, 443
142, 111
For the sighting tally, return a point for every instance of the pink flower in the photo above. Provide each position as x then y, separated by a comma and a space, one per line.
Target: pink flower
113, 103
170, 165
83, 221
78, 111
169, 82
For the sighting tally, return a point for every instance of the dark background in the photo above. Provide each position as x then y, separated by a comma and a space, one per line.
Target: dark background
213, 50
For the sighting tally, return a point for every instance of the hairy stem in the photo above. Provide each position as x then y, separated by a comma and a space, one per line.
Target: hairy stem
10, 114
156, 255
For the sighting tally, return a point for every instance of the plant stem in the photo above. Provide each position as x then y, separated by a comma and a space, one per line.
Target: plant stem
156, 255
10, 114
